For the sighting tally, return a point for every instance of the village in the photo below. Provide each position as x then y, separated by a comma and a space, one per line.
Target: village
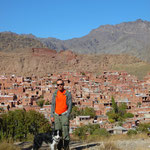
87, 89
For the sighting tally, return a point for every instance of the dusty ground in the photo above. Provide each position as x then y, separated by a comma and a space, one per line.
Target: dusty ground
133, 144
136, 144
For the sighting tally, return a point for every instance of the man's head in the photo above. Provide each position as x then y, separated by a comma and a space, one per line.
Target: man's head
60, 84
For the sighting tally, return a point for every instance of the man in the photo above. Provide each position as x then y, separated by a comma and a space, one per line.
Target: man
60, 110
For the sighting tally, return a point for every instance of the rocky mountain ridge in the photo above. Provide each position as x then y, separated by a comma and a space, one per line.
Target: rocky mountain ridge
126, 38
131, 38
10, 42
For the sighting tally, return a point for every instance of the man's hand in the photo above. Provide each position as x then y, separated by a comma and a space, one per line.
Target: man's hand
52, 119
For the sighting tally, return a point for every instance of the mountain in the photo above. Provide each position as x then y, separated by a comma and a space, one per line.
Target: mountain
124, 46
126, 38
131, 38
10, 42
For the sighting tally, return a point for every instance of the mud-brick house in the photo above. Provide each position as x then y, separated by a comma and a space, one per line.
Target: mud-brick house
28, 108
29, 100
129, 124
5, 98
98, 112
7, 101
94, 96
48, 96
118, 130
67, 82
101, 118
87, 103
14, 90
19, 90
146, 99
19, 79
140, 111
83, 120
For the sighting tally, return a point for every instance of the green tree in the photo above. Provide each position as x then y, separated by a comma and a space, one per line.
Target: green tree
47, 103
17, 124
129, 115
1, 109
118, 113
114, 105
21, 129
75, 112
122, 109
40, 103
101, 132
87, 130
80, 132
82, 112
143, 127
112, 117
14, 125
88, 112
36, 122
131, 132
83, 73
139, 104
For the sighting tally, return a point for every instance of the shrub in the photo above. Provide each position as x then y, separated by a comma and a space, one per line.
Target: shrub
47, 103
101, 132
90, 130
118, 112
75, 112
129, 115
16, 125
40, 103
83, 73
83, 112
131, 132
88, 112
8, 146
143, 127
80, 132
108, 146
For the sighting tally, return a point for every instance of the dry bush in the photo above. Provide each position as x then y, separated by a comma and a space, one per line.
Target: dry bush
126, 137
96, 138
8, 146
108, 146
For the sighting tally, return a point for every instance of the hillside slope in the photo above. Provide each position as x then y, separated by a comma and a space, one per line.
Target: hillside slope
43, 61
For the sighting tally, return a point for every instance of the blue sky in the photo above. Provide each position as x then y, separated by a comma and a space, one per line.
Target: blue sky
66, 19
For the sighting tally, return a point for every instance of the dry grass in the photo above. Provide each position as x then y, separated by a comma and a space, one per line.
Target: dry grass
8, 146
104, 146
138, 69
96, 138
126, 137
114, 142
109, 142
108, 146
